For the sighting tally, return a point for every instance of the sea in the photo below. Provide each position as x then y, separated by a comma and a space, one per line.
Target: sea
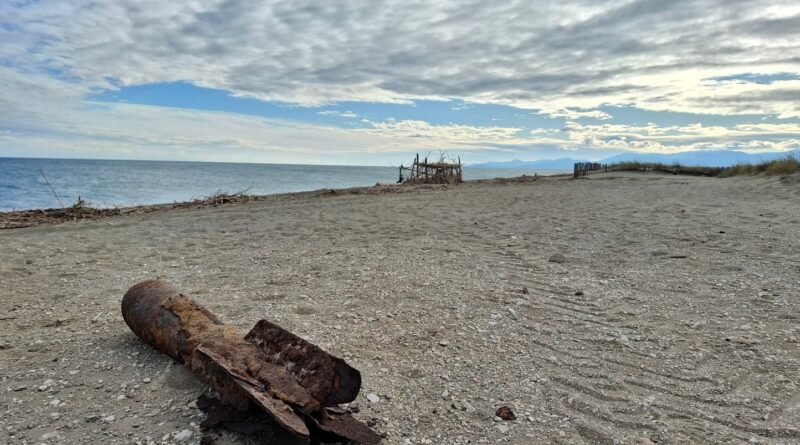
110, 183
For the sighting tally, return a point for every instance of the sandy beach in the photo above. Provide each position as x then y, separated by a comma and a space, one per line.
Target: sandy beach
615, 309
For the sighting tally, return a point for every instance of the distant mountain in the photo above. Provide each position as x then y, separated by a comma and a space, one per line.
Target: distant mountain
716, 158
544, 164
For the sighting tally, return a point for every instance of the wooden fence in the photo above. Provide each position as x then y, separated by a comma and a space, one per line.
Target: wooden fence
588, 168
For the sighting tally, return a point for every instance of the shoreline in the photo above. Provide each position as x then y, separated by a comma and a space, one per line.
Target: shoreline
18, 219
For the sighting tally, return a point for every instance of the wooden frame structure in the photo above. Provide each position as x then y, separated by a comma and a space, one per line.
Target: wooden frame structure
425, 172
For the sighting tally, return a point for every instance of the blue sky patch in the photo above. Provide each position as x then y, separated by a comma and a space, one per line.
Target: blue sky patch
344, 114
762, 79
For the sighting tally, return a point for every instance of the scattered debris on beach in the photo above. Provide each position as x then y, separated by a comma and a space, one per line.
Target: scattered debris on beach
81, 211
284, 387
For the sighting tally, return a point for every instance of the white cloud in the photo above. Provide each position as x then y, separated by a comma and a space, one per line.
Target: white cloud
760, 137
129, 131
562, 58
572, 115
461, 134
345, 114
557, 55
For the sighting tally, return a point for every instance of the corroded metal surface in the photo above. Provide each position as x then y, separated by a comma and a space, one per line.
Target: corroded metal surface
271, 369
329, 379
333, 424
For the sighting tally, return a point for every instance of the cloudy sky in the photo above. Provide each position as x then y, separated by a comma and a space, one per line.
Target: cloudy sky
370, 82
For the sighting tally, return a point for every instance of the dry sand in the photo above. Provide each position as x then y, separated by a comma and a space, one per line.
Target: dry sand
672, 315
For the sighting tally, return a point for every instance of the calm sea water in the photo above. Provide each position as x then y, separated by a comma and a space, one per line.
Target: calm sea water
125, 183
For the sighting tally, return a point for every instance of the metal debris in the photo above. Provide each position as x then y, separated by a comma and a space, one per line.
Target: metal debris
293, 384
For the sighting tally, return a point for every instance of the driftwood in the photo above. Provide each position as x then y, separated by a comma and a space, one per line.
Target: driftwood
30, 218
425, 172
81, 211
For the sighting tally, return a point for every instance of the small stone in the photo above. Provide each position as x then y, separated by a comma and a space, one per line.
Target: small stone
443, 342
109, 419
50, 435
502, 428
525, 290
19, 388
120, 397
147, 380
92, 418
183, 436
558, 258
497, 419
445, 394
644, 441
55, 402
469, 408
505, 413
373, 398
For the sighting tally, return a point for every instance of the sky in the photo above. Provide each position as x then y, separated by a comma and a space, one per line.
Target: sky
372, 82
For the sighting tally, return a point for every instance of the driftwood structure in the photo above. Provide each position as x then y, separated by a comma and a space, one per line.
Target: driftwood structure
425, 172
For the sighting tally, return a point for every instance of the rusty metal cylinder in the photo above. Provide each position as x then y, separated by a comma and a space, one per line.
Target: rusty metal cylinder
163, 317
290, 379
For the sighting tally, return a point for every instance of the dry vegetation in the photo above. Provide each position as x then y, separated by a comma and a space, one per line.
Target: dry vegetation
784, 166
675, 169
787, 165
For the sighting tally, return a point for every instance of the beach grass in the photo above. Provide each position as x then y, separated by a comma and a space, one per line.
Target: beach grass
787, 165
790, 164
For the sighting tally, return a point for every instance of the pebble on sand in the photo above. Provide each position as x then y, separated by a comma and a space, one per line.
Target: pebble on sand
505, 413
183, 436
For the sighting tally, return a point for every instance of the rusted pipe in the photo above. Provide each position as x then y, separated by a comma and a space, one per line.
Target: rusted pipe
291, 380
